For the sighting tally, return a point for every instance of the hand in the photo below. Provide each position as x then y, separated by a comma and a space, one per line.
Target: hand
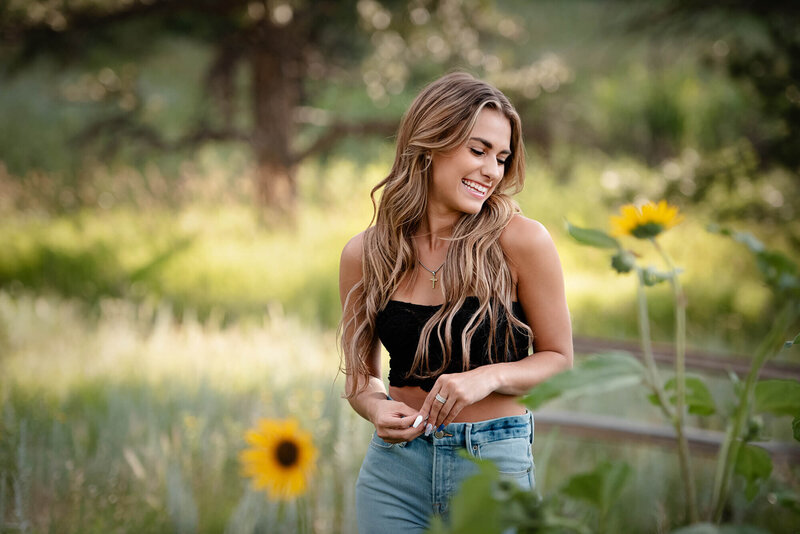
393, 421
460, 390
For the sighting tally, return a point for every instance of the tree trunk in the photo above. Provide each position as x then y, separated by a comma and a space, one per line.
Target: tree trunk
275, 95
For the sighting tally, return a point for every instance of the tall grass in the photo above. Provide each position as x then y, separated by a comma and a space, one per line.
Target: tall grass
131, 421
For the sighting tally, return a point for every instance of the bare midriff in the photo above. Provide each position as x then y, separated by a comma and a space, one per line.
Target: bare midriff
491, 407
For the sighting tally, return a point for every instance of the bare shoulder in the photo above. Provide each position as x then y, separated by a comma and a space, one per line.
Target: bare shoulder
523, 238
350, 265
352, 251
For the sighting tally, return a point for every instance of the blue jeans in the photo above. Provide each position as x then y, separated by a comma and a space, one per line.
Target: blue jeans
401, 485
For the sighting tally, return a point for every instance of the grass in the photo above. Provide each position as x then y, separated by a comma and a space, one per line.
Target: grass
131, 421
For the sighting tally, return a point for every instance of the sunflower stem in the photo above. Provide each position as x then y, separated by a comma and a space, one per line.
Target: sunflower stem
652, 379
680, 383
302, 516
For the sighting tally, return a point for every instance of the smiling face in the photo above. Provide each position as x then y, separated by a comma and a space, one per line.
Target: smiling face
465, 177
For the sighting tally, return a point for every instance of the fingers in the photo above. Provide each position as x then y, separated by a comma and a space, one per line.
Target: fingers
443, 404
433, 408
395, 422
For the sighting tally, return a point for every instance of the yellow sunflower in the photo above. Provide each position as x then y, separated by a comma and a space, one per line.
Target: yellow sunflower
281, 458
645, 222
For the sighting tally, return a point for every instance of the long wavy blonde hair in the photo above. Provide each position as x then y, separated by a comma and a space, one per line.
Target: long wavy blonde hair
439, 120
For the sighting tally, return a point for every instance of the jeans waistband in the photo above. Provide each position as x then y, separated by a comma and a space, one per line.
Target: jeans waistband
469, 434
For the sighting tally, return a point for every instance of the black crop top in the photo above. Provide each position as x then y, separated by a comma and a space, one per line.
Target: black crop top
399, 326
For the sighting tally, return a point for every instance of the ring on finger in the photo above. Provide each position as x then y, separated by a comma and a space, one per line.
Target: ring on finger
441, 399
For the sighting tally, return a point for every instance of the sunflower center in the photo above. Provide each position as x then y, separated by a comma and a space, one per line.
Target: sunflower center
646, 230
286, 453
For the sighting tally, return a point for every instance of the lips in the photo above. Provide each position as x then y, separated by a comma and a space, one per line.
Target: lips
478, 189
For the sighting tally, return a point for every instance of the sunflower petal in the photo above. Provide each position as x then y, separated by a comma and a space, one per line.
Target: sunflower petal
645, 222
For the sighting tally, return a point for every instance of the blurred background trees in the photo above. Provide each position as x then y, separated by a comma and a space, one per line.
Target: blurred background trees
268, 65
759, 50
709, 90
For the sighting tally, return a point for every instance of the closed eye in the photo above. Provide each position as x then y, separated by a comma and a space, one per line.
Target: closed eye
479, 152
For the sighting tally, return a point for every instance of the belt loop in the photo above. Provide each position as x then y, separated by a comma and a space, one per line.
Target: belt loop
530, 415
468, 438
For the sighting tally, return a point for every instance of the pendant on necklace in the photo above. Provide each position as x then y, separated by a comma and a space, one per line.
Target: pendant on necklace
433, 273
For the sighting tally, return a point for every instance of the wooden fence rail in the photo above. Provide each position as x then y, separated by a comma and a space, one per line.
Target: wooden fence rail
714, 362
616, 429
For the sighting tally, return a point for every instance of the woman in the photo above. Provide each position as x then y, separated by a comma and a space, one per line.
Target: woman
458, 286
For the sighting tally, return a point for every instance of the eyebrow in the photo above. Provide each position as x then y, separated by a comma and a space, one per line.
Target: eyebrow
488, 145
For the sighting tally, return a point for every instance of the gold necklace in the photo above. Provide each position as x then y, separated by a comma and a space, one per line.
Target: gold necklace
433, 279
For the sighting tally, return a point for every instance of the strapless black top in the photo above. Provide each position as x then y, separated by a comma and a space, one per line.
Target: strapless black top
399, 326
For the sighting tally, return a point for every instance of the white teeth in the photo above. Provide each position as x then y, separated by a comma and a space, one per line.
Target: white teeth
475, 186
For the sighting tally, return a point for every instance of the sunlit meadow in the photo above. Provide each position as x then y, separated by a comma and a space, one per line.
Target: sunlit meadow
125, 403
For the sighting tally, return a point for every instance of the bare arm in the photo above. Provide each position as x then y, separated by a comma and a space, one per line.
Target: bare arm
392, 419
540, 290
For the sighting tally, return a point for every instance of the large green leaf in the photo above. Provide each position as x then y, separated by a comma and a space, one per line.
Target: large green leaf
698, 398
755, 465
596, 374
473, 510
592, 237
780, 397
601, 487
490, 502
788, 499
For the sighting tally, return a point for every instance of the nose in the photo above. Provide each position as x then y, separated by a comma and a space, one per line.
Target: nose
493, 170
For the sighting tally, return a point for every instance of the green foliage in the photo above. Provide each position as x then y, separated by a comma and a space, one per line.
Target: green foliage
600, 487
692, 392
642, 111
474, 509
489, 503
788, 499
778, 270
755, 465
592, 237
596, 374
779, 397
698, 398
234, 267
792, 342
623, 261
